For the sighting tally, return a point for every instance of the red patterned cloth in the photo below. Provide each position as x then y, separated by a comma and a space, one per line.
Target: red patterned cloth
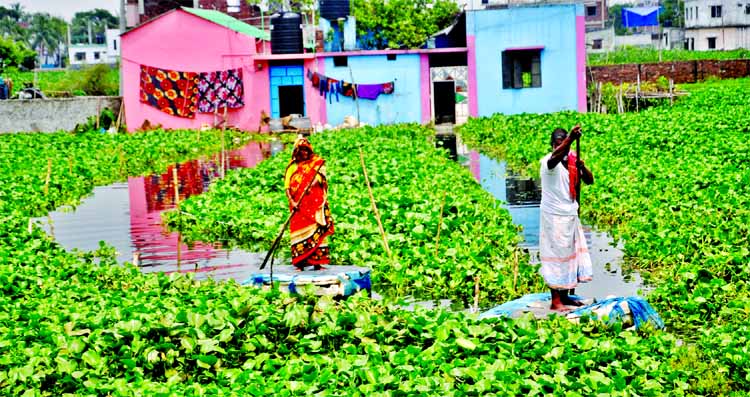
172, 92
220, 89
573, 175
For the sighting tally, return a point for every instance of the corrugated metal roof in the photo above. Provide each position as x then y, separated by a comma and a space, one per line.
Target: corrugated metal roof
229, 22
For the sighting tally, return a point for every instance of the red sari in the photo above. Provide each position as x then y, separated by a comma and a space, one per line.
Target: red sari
312, 222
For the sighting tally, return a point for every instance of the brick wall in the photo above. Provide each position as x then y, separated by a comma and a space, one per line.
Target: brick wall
680, 72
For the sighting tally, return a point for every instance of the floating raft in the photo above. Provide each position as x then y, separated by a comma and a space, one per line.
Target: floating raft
338, 281
632, 311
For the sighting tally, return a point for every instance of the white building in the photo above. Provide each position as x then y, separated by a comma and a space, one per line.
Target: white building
717, 24
87, 54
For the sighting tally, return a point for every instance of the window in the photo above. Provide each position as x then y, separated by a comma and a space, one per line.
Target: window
340, 61
233, 5
96, 55
80, 56
391, 57
597, 45
591, 11
747, 9
522, 68
114, 43
711, 43
715, 11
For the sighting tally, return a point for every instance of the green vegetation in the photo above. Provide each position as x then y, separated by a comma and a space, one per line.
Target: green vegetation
92, 80
401, 23
649, 55
477, 237
671, 182
14, 55
76, 323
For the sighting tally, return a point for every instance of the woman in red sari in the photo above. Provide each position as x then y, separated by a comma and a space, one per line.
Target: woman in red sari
311, 219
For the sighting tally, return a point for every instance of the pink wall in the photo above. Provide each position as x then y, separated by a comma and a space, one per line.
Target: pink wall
182, 41
315, 104
581, 61
424, 84
471, 60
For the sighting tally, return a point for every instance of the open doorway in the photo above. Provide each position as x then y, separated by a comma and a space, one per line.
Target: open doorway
291, 100
444, 97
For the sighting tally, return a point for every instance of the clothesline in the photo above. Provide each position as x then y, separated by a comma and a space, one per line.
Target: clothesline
328, 87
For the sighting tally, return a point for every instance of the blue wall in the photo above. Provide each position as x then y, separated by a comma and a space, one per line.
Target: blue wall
403, 106
551, 26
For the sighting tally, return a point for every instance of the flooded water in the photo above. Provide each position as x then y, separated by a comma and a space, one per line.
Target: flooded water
522, 197
127, 216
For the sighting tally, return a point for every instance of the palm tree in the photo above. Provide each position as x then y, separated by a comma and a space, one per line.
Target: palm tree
47, 33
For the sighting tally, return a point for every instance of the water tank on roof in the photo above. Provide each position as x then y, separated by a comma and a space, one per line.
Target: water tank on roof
286, 33
334, 9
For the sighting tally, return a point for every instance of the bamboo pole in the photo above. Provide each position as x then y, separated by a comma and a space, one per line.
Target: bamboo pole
671, 92
223, 155
176, 182
98, 112
48, 177
440, 225
374, 207
637, 91
476, 293
515, 270
119, 116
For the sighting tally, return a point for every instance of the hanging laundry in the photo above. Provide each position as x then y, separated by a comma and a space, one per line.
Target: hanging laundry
388, 88
348, 89
369, 91
333, 88
172, 92
220, 89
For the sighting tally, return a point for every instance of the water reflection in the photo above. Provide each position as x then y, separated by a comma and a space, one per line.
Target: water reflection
522, 196
128, 217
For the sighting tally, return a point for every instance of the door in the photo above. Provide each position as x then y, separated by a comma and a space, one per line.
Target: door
291, 100
444, 97
287, 92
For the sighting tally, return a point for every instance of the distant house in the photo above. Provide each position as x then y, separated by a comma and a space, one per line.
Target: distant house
716, 25
521, 58
140, 11
88, 54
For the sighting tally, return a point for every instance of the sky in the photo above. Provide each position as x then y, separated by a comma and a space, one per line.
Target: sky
65, 8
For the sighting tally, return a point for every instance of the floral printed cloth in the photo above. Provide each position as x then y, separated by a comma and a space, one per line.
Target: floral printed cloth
171, 92
220, 89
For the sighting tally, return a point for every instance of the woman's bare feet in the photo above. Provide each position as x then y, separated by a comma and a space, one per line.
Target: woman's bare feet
559, 308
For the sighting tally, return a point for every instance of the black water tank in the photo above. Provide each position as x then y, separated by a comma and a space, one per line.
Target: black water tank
334, 9
286, 33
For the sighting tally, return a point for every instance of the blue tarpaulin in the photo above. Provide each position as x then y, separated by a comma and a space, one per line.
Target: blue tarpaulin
640, 16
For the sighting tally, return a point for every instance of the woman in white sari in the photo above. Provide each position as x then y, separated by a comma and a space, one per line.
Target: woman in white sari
563, 251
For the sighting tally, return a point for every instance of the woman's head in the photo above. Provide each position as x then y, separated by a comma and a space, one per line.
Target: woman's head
557, 137
302, 150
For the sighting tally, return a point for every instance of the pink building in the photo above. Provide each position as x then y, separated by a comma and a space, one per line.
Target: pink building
196, 41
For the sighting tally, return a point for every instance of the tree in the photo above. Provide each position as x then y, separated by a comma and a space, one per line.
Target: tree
100, 20
401, 23
12, 21
47, 33
15, 54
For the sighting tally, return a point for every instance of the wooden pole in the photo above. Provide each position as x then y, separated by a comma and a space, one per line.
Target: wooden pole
374, 207
98, 112
671, 92
49, 176
176, 182
515, 270
119, 115
440, 225
637, 91
223, 155
476, 294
